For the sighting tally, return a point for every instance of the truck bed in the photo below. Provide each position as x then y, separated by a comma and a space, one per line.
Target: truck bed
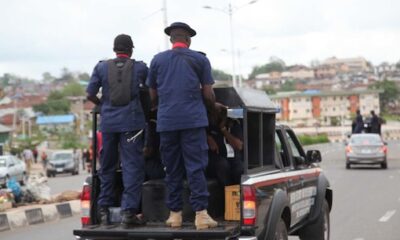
158, 231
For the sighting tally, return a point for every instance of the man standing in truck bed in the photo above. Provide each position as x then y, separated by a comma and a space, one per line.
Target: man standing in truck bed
175, 77
122, 122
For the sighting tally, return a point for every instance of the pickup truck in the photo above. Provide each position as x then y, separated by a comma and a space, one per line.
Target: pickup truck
283, 191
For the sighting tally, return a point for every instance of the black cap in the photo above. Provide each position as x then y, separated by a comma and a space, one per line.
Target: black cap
123, 43
182, 25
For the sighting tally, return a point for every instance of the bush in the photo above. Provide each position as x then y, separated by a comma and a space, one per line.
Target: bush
313, 139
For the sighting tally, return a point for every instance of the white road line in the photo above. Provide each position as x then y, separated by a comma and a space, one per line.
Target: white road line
387, 216
358, 238
391, 177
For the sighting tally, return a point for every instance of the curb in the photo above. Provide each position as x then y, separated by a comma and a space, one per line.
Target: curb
31, 215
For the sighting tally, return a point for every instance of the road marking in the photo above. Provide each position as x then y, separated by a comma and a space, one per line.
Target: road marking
387, 216
391, 177
358, 238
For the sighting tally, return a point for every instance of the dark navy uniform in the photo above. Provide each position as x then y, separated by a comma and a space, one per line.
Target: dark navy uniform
119, 126
177, 75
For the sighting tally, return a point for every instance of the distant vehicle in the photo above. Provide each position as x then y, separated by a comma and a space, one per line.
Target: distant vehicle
62, 162
12, 167
368, 148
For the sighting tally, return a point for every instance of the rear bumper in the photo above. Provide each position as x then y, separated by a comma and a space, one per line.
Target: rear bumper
366, 160
158, 231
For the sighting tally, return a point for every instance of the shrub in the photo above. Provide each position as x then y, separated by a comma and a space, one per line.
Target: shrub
313, 139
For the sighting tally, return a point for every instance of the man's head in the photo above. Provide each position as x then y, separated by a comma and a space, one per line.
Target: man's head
180, 32
372, 112
123, 44
358, 112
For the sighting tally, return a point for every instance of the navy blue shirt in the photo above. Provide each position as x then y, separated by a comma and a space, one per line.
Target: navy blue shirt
180, 101
119, 118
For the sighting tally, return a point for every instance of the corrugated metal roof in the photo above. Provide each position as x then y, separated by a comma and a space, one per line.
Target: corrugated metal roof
55, 119
4, 129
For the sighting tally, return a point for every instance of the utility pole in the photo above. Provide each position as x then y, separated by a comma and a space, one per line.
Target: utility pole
165, 20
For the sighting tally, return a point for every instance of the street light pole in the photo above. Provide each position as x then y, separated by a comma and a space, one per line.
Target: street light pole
230, 14
232, 46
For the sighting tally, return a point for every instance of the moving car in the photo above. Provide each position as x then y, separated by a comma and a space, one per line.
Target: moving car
62, 162
12, 167
282, 191
366, 148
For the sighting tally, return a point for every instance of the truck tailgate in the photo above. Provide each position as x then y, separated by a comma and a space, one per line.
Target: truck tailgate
158, 231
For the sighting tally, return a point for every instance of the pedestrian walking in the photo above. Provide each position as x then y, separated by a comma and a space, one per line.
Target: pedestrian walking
122, 124
28, 158
44, 159
179, 80
85, 158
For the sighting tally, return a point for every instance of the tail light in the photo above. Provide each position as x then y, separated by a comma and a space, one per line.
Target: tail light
85, 205
383, 149
249, 205
349, 149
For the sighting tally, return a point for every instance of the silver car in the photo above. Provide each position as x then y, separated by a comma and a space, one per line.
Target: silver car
368, 148
12, 167
62, 162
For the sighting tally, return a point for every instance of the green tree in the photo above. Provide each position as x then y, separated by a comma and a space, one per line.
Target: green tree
269, 90
56, 104
47, 77
220, 75
389, 95
73, 89
84, 77
288, 86
66, 75
275, 66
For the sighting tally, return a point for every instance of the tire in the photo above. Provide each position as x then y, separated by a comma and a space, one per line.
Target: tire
281, 231
48, 174
320, 229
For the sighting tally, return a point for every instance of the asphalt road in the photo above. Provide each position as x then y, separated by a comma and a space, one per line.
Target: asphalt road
366, 201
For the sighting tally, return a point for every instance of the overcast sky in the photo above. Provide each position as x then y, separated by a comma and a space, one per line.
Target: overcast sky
47, 35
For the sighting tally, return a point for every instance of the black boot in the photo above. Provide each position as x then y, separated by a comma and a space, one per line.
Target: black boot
129, 219
104, 216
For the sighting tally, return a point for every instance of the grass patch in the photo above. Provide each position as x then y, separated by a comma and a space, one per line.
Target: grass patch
313, 139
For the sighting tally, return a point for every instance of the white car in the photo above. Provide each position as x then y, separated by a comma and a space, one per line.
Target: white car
11, 166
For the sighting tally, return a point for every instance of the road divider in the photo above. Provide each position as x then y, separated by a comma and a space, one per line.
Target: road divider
31, 215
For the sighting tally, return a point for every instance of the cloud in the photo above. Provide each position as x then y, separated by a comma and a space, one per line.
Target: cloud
47, 35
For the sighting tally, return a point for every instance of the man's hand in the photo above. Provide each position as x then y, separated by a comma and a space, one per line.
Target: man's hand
212, 145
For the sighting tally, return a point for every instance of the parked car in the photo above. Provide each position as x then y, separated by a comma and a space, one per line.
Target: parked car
12, 167
366, 148
283, 191
62, 162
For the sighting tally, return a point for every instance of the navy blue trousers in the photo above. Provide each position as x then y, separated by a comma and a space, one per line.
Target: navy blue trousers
132, 164
185, 151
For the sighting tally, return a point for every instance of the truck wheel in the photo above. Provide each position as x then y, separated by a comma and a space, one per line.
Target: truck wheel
320, 229
281, 231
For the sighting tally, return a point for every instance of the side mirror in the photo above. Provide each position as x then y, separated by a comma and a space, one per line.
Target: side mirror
313, 156
299, 160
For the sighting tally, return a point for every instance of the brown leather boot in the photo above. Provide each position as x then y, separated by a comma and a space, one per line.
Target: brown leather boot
204, 221
175, 219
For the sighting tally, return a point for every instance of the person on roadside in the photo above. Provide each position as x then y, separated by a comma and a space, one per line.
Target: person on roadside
44, 159
122, 124
85, 158
180, 85
28, 158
